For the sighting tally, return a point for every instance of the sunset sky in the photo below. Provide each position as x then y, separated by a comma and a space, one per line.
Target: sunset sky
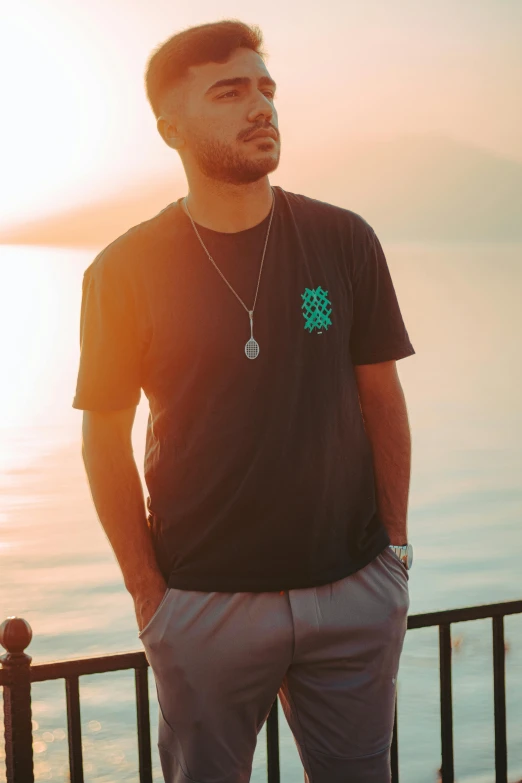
77, 127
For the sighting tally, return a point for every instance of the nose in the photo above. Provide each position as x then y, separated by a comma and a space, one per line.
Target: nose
261, 107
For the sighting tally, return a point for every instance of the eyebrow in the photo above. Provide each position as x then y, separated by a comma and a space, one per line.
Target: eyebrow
263, 81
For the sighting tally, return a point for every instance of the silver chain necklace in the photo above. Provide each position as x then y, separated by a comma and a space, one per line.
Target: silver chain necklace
251, 347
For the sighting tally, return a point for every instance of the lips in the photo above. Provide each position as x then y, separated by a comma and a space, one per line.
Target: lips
263, 132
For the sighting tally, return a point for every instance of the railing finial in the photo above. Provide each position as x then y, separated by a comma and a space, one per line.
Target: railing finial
15, 635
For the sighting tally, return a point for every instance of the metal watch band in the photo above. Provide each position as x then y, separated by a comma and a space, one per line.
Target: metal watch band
404, 553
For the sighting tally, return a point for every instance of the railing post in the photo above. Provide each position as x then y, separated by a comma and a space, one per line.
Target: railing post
15, 636
499, 693
446, 704
272, 744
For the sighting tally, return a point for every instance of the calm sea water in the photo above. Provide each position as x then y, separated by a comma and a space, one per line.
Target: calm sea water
464, 395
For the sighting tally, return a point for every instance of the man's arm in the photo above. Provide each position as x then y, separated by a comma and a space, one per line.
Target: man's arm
117, 493
385, 417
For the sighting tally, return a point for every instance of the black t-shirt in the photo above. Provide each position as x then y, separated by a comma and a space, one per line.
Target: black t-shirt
259, 471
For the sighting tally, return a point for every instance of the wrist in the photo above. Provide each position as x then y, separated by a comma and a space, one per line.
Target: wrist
398, 536
145, 582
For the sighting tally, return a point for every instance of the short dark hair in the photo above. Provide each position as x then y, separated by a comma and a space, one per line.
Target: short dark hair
212, 42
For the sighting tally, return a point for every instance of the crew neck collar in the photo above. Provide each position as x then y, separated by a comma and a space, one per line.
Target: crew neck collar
243, 232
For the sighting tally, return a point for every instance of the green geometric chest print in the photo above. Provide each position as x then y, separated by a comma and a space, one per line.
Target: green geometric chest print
316, 309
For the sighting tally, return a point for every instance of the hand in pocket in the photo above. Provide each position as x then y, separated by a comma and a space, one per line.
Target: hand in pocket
147, 603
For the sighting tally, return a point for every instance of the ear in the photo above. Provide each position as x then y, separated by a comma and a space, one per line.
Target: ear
169, 133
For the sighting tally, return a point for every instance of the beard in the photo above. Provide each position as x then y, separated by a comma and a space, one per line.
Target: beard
221, 162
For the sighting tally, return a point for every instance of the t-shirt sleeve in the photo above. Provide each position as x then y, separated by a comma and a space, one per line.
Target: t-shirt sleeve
110, 363
378, 332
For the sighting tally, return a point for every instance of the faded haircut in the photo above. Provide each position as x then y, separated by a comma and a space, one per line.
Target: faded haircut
168, 64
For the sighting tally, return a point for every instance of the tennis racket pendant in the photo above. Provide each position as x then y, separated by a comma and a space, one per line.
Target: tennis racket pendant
251, 348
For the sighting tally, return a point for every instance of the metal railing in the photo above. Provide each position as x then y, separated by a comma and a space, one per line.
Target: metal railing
18, 673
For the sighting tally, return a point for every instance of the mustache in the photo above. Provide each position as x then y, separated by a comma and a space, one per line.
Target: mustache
251, 131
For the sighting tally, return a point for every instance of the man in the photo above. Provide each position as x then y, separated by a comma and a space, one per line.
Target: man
264, 329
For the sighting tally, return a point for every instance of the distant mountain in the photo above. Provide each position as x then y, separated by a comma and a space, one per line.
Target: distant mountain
408, 187
431, 188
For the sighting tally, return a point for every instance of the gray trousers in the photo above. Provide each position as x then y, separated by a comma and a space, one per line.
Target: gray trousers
331, 654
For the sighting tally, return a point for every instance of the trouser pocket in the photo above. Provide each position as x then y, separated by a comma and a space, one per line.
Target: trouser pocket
155, 616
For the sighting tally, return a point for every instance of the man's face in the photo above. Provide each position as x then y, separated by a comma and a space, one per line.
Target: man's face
222, 105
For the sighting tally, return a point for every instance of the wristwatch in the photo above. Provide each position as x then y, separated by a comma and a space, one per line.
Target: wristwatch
404, 553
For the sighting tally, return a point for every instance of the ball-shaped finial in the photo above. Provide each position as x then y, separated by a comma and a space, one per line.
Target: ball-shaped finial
15, 634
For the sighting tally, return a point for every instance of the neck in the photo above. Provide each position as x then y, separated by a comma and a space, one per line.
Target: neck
229, 208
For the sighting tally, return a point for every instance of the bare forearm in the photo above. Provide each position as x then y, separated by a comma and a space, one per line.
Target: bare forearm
118, 498
387, 426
